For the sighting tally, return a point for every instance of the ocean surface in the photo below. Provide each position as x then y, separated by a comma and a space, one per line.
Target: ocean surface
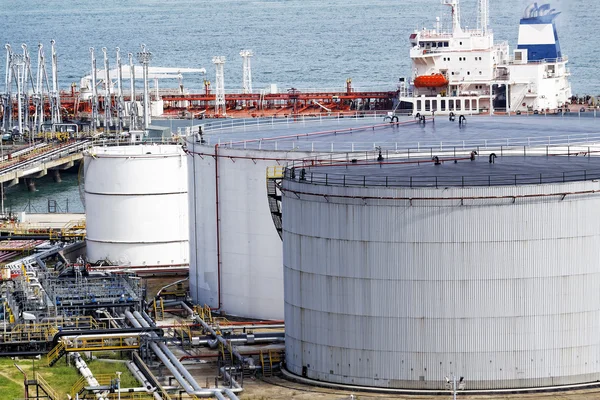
297, 43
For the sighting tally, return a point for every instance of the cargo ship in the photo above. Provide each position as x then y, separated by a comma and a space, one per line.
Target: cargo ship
455, 70
462, 70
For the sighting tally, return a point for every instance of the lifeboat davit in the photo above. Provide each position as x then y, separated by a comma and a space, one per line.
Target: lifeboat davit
431, 81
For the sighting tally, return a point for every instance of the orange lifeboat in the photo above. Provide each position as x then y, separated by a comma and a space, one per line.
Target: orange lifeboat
431, 81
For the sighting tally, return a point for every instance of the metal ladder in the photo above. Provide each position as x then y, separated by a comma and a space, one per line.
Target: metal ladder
56, 353
159, 309
274, 177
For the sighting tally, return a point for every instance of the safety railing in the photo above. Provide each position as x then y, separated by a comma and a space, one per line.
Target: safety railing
101, 343
347, 180
303, 142
255, 123
78, 387
275, 172
204, 312
425, 154
46, 387
55, 353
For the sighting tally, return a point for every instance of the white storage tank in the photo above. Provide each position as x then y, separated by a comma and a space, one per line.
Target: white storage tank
136, 206
399, 275
235, 250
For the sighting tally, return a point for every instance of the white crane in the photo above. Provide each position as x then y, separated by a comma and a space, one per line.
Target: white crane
107, 94
144, 58
55, 95
219, 62
119, 96
247, 72
133, 111
94, 92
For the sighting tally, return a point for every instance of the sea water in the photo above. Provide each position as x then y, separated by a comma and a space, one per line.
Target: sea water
297, 43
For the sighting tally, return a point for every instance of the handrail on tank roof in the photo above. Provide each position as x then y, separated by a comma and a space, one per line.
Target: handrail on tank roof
305, 171
246, 123
425, 155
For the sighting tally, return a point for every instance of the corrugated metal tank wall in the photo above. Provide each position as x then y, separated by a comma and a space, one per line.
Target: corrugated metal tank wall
251, 251
136, 205
399, 294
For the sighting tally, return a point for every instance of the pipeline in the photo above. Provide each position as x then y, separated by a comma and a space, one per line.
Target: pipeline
87, 374
218, 227
165, 350
96, 332
135, 371
137, 374
188, 383
169, 285
219, 338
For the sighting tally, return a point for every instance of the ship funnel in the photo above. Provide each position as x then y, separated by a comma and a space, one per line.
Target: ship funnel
537, 33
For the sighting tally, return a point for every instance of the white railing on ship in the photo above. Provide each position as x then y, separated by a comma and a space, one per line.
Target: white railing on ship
335, 89
512, 60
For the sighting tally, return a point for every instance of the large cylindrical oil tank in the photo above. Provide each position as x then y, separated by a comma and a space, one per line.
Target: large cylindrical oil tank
235, 250
136, 206
398, 277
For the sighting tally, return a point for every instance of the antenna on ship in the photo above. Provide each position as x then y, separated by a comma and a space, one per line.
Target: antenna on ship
220, 85
247, 76
455, 14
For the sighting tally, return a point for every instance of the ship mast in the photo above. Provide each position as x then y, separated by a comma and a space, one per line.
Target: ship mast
484, 16
455, 14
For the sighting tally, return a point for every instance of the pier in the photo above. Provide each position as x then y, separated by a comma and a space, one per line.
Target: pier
39, 160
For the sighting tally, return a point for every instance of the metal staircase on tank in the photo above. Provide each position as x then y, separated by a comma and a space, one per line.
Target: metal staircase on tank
41, 389
56, 353
229, 362
274, 178
268, 358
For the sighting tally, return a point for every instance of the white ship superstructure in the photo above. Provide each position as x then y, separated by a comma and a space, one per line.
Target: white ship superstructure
464, 71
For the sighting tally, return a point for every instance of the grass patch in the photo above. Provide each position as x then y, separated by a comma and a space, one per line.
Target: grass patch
99, 367
10, 389
60, 376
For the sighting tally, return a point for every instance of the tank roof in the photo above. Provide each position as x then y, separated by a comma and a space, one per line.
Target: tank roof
145, 151
363, 134
453, 172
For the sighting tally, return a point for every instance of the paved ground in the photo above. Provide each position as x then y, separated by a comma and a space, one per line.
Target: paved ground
280, 389
204, 370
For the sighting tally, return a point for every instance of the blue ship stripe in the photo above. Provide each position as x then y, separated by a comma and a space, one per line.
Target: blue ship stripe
538, 52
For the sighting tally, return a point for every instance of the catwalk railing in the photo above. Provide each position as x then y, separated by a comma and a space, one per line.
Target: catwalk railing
309, 170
